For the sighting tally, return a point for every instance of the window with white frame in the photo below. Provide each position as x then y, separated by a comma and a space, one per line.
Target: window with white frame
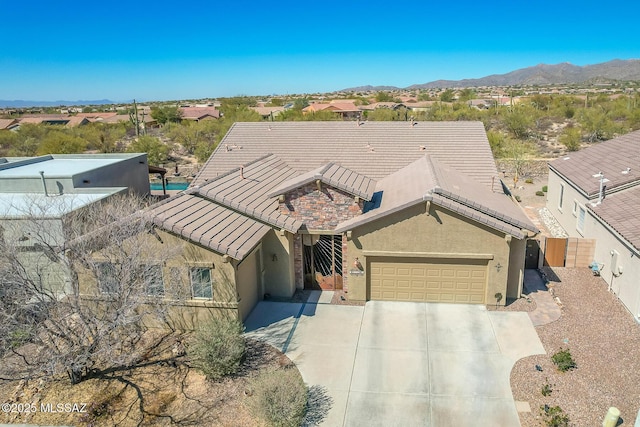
153, 280
582, 213
561, 196
201, 284
574, 211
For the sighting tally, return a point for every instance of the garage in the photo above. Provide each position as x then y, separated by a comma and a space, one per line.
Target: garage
428, 280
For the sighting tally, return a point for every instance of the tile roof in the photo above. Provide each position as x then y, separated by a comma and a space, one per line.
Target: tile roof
373, 149
6, 123
208, 224
609, 157
265, 111
334, 175
247, 190
197, 113
619, 211
428, 179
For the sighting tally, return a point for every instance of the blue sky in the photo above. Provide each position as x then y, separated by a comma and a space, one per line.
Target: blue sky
158, 50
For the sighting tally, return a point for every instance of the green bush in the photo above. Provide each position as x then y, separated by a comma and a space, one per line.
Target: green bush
218, 348
544, 188
547, 390
563, 360
539, 193
279, 397
554, 416
518, 199
528, 181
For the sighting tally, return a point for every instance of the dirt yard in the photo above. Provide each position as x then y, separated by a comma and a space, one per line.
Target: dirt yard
160, 393
603, 339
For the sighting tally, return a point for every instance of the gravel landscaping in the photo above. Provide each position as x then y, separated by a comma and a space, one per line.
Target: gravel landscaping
603, 339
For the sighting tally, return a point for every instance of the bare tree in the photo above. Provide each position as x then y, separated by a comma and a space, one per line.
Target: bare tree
79, 290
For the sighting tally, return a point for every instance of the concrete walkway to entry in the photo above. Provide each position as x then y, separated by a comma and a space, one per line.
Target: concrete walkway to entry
403, 364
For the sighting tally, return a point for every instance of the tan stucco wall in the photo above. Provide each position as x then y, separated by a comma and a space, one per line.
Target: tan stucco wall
565, 215
626, 285
516, 267
248, 279
178, 256
277, 258
441, 232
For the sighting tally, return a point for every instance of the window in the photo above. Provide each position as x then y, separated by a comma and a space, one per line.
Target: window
107, 278
574, 211
201, 283
153, 280
561, 196
581, 214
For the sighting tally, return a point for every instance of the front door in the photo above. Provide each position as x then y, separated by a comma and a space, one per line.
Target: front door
322, 261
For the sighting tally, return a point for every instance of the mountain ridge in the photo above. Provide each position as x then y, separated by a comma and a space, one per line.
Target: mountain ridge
541, 74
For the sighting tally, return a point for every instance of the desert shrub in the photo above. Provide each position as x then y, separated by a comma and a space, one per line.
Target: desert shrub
279, 397
539, 193
528, 181
545, 188
518, 199
563, 360
547, 389
218, 348
554, 416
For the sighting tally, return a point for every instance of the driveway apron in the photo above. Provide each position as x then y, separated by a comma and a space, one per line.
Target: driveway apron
403, 364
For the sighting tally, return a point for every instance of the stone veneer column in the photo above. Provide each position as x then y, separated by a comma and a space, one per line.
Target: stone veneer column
297, 261
345, 265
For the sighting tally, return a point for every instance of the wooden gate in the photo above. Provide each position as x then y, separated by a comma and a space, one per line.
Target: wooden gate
555, 251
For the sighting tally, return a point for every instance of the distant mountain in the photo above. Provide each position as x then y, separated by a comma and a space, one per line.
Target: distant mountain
369, 88
541, 75
26, 104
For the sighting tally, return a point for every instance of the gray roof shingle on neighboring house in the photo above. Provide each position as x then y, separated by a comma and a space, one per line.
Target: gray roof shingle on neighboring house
619, 211
373, 149
334, 175
209, 224
609, 157
247, 190
428, 179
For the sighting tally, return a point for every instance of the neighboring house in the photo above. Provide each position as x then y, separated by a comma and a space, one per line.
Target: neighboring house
346, 110
54, 119
197, 114
383, 210
268, 112
146, 121
387, 105
97, 117
607, 214
38, 192
8, 124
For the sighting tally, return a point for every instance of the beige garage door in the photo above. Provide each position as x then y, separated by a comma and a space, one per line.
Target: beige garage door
455, 280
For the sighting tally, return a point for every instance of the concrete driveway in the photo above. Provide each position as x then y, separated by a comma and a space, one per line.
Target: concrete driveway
403, 364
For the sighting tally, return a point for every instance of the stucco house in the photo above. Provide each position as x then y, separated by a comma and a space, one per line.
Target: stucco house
37, 193
407, 211
595, 193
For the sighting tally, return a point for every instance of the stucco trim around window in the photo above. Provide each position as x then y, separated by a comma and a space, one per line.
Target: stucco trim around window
574, 210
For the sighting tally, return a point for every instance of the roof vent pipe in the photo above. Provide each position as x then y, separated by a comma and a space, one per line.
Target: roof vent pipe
44, 184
